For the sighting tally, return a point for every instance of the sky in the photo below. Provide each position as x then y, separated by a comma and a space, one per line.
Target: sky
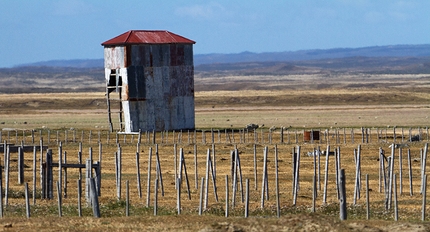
42, 30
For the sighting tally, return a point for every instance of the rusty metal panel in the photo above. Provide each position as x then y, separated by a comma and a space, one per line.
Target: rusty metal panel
114, 57
136, 83
189, 112
188, 55
147, 37
158, 91
161, 96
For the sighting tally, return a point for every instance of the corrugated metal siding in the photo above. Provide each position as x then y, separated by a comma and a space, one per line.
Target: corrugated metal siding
158, 85
114, 57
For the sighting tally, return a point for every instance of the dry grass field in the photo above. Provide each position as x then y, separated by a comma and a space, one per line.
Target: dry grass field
294, 102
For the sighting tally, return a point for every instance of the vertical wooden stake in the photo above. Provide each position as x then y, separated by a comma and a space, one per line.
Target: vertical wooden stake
296, 178
226, 196
411, 192
79, 197
148, 186
367, 198
6, 191
342, 204
326, 174
178, 205
278, 205
396, 211
247, 199
400, 172
60, 211
201, 196
155, 196
263, 184
27, 200
127, 199
423, 209
196, 177
314, 192
255, 166
139, 188
34, 174
94, 198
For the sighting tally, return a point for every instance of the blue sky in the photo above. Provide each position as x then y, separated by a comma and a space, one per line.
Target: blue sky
42, 30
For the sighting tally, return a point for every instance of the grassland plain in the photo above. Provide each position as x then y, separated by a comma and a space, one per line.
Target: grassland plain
268, 103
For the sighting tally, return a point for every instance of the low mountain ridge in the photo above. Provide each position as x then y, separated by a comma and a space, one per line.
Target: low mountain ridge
301, 55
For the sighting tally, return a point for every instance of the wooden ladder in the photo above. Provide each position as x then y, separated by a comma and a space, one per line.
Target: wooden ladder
117, 89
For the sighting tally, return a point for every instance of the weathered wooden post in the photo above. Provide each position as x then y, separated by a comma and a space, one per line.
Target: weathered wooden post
255, 166
423, 208
156, 196
247, 198
196, 177
127, 199
178, 196
65, 175
264, 179
400, 172
183, 167
20, 165
396, 211
88, 177
60, 208
201, 196
158, 170
79, 185
139, 189
94, 198
27, 200
226, 196
296, 177
49, 176
326, 174
390, 183
60, 171
367, 198
148, 186
34, 174
278, 205
411, 192
424, 164
342, 200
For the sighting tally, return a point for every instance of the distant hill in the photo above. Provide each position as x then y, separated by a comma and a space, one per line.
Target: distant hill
302, 55
88, 75
317, 54
76, 63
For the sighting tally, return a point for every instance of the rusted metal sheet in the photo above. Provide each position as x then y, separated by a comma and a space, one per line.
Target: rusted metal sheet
147, 37
114, 57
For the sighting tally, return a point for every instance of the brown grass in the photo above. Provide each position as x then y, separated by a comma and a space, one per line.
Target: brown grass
301, 109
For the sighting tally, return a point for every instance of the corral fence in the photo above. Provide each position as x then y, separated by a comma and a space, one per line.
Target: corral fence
387, 178
259, 136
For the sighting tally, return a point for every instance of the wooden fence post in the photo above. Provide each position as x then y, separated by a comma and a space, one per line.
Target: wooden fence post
27, 200
148, 187
139, 189
94, 198
20, 165
342, 204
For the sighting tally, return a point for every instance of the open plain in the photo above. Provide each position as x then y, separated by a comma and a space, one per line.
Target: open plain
336, 105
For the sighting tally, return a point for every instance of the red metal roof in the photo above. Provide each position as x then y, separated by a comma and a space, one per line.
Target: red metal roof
147, 37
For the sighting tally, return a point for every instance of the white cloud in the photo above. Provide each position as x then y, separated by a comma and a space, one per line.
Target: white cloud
72, 7
374, 17
208, 11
